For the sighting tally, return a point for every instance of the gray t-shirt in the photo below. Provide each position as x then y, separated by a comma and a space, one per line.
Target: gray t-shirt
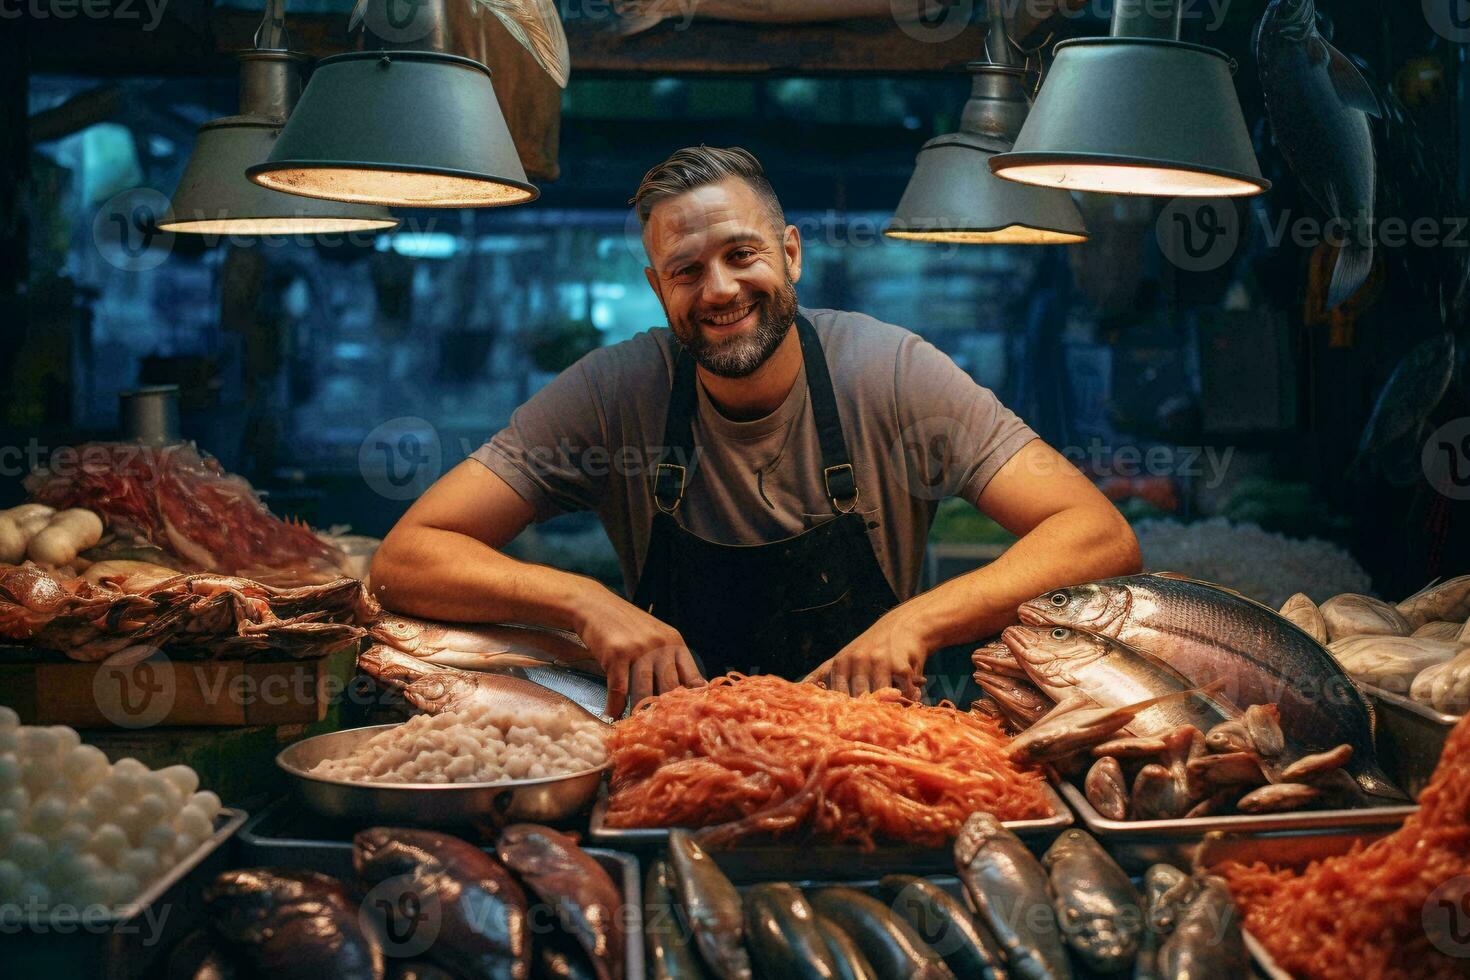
917, 427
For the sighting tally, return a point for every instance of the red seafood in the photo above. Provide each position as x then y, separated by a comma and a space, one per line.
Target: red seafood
1364, 914
762, 755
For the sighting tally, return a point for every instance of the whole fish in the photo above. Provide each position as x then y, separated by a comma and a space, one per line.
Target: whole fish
670, 957
782, 936
1207, 944
1411, 393
889, 944
1207, 633
1350, 614
478, 909
713, 907
850, 962
997, 659
1099, 909
1021, 702
293, 924
434, 690
1007, 887
1448, 600
429, 639
1319, 103
587, 902
1063, 661
968, 948
1304, 613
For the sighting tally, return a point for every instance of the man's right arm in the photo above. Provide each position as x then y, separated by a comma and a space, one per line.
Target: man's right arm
442, 561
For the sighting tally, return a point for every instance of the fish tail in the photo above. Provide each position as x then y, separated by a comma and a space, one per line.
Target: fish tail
1354, 264
1375, 782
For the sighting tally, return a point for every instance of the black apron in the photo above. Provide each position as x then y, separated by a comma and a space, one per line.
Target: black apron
779, 608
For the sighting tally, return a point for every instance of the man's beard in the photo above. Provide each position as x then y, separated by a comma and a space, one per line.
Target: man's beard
740, 357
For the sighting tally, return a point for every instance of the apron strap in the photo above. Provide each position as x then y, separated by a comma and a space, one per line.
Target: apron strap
837, 472
671, 472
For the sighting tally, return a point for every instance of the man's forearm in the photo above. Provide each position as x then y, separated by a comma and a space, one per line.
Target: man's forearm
1070, 547
438, 574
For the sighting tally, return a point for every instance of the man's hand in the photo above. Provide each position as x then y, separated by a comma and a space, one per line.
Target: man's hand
639, 654
890, 653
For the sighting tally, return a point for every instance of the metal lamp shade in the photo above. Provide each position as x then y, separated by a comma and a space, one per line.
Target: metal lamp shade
406, 128
214, 198
953, 197
1133, 115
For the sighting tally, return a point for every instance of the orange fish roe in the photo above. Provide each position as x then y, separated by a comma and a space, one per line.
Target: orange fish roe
1361, 916
762, 755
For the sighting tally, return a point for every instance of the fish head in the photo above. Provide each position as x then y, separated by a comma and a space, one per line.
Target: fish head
978, 831
1051, 653
1098, 607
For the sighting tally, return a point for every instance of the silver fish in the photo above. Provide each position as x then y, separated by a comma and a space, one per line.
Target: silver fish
1063, 661
1207, 633
1319, 103
1007, 888
434, 690
430, 639
1099, 910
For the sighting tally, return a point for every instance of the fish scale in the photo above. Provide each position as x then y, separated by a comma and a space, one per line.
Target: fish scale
1208, 633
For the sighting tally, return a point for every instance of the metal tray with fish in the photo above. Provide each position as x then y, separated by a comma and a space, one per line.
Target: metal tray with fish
277, 837
1304, 833
126, 942
756, 861
1410, 733
433, 804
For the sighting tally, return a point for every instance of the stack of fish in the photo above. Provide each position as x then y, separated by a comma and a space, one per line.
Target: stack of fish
1074, 913
1180, 698
435, 906
1419, 647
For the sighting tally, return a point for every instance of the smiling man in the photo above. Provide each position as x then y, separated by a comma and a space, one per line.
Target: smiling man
767, 474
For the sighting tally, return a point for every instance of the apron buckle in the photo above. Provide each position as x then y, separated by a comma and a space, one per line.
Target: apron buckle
668, 485
841, 485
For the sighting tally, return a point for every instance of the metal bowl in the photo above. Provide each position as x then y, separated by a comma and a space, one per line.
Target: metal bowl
460, 804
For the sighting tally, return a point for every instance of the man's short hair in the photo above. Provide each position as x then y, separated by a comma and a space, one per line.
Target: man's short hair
697, 166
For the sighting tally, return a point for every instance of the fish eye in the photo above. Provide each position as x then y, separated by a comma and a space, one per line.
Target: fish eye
1059, 599
1059, 634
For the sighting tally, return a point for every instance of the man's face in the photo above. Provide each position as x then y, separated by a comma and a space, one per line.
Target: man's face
725, 275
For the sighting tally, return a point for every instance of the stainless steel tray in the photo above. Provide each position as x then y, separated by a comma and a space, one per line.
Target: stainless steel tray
1411, 734
1314, 833
755, 860
259, 847
435, 804
128, 942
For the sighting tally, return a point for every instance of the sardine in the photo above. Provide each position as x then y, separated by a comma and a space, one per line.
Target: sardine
968, 948
1007, 887
290, 924
850, 962
1099, 910
1207, 944
476, 908
1063, 661
888, 943
1107, 789
1350, 614
587, 902
1448, 600
670, 957
782, 936
1305, 614
1207, 633
713, 906
1319, 103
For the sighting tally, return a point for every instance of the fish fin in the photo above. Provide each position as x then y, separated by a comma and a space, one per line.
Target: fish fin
1354, 264
537, 25
1352, 88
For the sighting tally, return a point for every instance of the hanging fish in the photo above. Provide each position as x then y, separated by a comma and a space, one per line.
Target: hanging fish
535, 24
1411, 393
1319, 104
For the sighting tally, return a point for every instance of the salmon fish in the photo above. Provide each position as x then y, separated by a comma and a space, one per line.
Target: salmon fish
1208, 633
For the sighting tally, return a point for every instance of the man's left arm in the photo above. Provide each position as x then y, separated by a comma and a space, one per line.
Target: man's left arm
1069, 533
